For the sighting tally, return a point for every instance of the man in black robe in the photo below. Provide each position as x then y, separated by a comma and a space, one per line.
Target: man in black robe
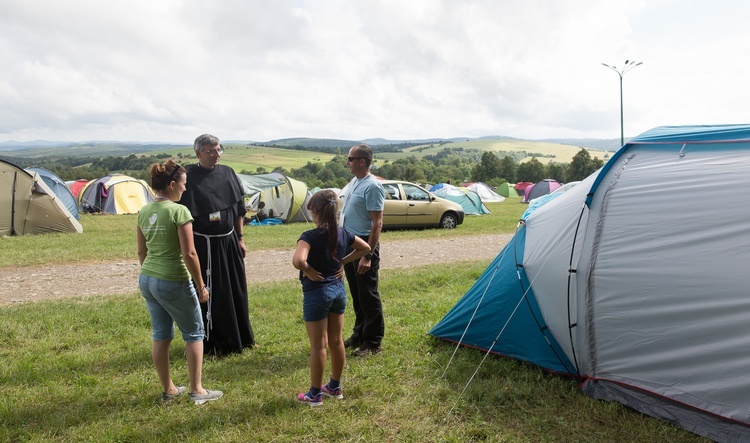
214, 196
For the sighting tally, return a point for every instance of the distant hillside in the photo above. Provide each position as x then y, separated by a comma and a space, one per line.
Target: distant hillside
78, 149
610, 144
393, 148
308, 143
336, 143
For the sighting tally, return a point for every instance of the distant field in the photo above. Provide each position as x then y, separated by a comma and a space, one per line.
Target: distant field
246, 157
549, 151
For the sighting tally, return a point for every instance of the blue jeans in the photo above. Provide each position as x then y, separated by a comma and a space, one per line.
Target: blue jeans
171, 302
317, 303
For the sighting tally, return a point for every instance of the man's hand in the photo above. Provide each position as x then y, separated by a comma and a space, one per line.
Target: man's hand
243, 248
364, 265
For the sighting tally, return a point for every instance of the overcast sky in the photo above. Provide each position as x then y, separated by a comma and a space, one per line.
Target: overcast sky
169, 70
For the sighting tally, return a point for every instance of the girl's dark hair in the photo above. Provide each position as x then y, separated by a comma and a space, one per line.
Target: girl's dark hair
163, 174
324, 205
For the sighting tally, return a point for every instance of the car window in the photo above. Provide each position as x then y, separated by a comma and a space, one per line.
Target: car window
414, 193
392, 192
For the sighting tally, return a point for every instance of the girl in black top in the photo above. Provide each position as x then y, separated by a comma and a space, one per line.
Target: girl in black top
320, 256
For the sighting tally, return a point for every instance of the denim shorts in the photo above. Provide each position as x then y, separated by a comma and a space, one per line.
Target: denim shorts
171, 302
319, 302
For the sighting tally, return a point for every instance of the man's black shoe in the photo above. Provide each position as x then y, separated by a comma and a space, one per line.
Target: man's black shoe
352, 342
366, 350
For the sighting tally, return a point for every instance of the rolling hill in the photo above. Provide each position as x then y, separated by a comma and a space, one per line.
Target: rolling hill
296, 152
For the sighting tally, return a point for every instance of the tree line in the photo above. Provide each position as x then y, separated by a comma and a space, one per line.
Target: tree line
450, 165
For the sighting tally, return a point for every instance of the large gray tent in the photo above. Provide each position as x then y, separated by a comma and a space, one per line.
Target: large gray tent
635, 280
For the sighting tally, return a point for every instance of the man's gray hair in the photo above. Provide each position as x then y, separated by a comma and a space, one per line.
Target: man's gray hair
205, 140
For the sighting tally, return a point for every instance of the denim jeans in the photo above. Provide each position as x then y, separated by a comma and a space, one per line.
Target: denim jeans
320, 301
171, 302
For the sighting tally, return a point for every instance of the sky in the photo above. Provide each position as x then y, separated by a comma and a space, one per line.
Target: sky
169, 70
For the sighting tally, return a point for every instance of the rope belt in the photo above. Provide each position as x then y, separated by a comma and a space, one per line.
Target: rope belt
209, 278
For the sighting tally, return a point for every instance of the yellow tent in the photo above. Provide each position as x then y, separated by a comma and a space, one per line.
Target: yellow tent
115, 194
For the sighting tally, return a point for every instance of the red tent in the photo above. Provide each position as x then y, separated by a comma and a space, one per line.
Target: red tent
521, 187
76, 186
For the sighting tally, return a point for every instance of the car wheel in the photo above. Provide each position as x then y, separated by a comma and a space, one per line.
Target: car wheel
448, 221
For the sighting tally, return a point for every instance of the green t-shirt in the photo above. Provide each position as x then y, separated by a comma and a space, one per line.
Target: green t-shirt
159, 222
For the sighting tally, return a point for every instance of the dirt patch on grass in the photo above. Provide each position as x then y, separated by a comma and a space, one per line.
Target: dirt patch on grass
55, 281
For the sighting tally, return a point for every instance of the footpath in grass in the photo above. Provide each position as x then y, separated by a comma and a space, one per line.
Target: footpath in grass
79, 370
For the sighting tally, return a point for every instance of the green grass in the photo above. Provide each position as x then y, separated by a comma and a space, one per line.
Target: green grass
80, 370
112, 237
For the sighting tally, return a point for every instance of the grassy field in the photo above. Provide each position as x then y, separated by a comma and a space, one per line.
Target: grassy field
250, 158
80, 369
112, 237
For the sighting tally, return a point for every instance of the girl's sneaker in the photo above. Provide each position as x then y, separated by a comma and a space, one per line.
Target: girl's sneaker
332, 392
312, 401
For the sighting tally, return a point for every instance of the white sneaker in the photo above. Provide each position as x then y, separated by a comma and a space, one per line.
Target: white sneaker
201, 399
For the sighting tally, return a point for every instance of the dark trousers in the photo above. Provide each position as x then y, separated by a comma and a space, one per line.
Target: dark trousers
369, 325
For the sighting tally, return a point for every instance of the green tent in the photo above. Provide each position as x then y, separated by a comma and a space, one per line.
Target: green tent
285, 197
507, 190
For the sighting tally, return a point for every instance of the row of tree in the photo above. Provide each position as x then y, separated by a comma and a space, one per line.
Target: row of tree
451, 165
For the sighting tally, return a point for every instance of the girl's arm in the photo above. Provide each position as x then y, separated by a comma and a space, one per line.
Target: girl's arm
359, 249
299, 260
185, 233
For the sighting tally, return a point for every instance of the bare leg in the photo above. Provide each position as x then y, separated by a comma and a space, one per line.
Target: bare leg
317, 333
160, 356
336, 344
194, 353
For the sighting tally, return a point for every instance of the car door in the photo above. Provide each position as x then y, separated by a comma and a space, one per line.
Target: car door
421, 210
394, 207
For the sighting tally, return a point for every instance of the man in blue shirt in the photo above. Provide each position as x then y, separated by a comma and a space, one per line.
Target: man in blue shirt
363, 215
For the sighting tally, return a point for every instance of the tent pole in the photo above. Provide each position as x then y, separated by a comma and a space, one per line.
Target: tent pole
13, 205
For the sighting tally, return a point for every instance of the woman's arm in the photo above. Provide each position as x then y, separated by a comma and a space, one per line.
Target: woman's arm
185, 233
359, 249
142, 248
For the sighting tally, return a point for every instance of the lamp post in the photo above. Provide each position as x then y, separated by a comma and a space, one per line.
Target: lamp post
629, 64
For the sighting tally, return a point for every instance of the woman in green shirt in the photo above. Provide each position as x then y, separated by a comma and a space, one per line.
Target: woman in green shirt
168, 261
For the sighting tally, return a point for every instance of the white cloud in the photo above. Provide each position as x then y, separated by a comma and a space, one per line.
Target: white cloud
167, 70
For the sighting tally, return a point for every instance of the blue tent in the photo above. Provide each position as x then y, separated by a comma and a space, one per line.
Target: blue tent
644, 299
59, 188
485, 319
469, 200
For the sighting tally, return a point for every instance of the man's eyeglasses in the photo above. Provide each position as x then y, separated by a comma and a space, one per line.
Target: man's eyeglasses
351, 159
214, 151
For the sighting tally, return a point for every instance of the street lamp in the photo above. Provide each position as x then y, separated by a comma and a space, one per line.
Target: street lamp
629, 64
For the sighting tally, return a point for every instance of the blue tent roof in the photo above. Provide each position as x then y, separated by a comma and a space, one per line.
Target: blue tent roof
60, 189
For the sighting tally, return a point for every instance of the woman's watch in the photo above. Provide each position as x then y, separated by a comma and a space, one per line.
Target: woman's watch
368, 256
